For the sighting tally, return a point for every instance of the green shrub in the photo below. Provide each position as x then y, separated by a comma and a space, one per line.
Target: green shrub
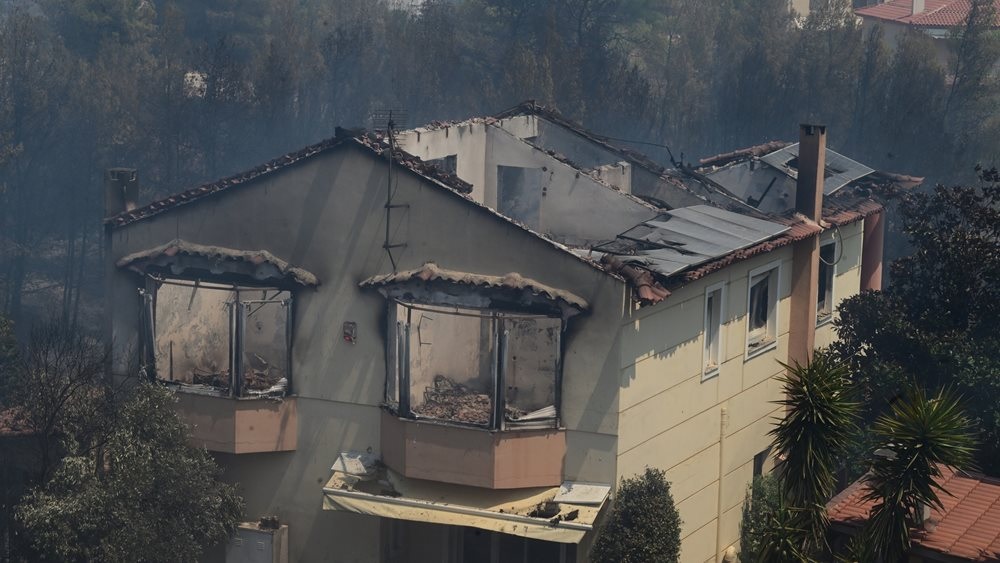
761, 504
644, 525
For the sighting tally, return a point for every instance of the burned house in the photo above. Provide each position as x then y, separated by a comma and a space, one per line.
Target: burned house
449, 344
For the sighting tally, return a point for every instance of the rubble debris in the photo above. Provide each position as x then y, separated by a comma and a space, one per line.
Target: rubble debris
449, 400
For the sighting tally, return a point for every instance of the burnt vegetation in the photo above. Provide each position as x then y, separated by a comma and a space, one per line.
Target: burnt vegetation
188, 92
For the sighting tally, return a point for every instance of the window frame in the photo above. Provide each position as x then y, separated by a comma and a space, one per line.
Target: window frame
398, 367
754, 344
710, 371
236, 336
821, 317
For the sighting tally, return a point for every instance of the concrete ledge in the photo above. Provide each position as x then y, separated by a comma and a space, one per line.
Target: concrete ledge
239, 426
511, 459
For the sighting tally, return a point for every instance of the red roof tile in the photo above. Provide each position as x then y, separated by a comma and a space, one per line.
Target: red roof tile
936, 13
968, 525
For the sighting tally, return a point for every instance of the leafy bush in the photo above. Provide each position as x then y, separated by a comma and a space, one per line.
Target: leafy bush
146, 495
761, 504
644, 525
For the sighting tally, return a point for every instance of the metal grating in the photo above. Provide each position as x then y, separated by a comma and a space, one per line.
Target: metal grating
840, 170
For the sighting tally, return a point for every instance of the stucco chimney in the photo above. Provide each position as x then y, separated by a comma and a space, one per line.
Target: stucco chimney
812, 165
121, 190
805, 252
918, 7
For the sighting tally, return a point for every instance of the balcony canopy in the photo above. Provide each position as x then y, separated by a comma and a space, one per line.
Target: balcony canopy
557, 514
188, 259
432, 284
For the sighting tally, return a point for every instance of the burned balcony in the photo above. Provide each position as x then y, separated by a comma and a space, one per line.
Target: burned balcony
474, 373
487, 368
216, 339
217, 327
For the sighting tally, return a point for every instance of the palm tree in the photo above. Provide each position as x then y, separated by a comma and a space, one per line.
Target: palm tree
918, 435
812, 437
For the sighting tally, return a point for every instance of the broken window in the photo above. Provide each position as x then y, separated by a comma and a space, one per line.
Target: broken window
827, 264
221, 338
447, 164
473, 366
519, 194
762, 301
713, 330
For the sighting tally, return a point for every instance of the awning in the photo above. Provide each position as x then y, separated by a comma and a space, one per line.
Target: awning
556, 514
181, 257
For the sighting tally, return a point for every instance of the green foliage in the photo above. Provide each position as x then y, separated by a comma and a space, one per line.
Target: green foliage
146, 495
782, 539
763, 500
812, 438
938, 324
644, 526
917, 437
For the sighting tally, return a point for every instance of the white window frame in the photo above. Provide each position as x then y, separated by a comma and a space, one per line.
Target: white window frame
708, 369
770, 329
822, 319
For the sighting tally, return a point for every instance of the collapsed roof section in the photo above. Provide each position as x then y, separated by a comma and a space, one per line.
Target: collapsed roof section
618, 210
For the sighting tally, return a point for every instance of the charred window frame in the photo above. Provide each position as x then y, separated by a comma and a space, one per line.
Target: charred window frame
500, 370
762, 308
218, 338
715, 305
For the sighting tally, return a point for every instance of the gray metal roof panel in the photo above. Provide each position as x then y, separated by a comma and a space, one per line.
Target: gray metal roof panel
840, 170
682, 238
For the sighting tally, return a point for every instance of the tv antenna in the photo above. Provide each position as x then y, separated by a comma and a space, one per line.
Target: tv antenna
389, 120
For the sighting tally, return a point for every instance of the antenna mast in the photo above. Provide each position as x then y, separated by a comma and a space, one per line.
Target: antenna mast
387, 120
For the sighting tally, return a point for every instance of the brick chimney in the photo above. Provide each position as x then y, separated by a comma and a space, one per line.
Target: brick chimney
805, 253
121, 190
917, 8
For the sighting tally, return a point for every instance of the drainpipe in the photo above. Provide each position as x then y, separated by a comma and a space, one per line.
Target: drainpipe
871, 253
805, 253
723, 426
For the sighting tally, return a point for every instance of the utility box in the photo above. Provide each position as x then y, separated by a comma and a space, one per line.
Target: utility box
253, 544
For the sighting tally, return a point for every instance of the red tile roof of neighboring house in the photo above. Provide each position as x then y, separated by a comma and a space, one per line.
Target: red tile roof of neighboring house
968, 527
936, 13
12, 423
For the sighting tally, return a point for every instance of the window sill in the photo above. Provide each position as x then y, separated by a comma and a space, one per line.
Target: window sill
823, 320
711, 373
754, 351
221, 392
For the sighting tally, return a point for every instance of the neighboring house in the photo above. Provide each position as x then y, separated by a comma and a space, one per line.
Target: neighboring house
939, 19
966, 528
454, 352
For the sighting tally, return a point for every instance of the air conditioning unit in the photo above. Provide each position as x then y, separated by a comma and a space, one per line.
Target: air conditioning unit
259, 542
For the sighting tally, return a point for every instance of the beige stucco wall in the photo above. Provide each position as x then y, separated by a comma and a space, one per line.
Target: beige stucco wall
673, 420
573, 205
326, 215
893, 33
846, 274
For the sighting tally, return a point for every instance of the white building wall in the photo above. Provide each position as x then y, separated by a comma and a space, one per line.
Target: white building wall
846, 274
671, 419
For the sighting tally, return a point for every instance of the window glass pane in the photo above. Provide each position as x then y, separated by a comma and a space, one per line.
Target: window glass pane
265, 340
451, 352
531, 365
713, 322
825, 291
192, 333
758, 307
